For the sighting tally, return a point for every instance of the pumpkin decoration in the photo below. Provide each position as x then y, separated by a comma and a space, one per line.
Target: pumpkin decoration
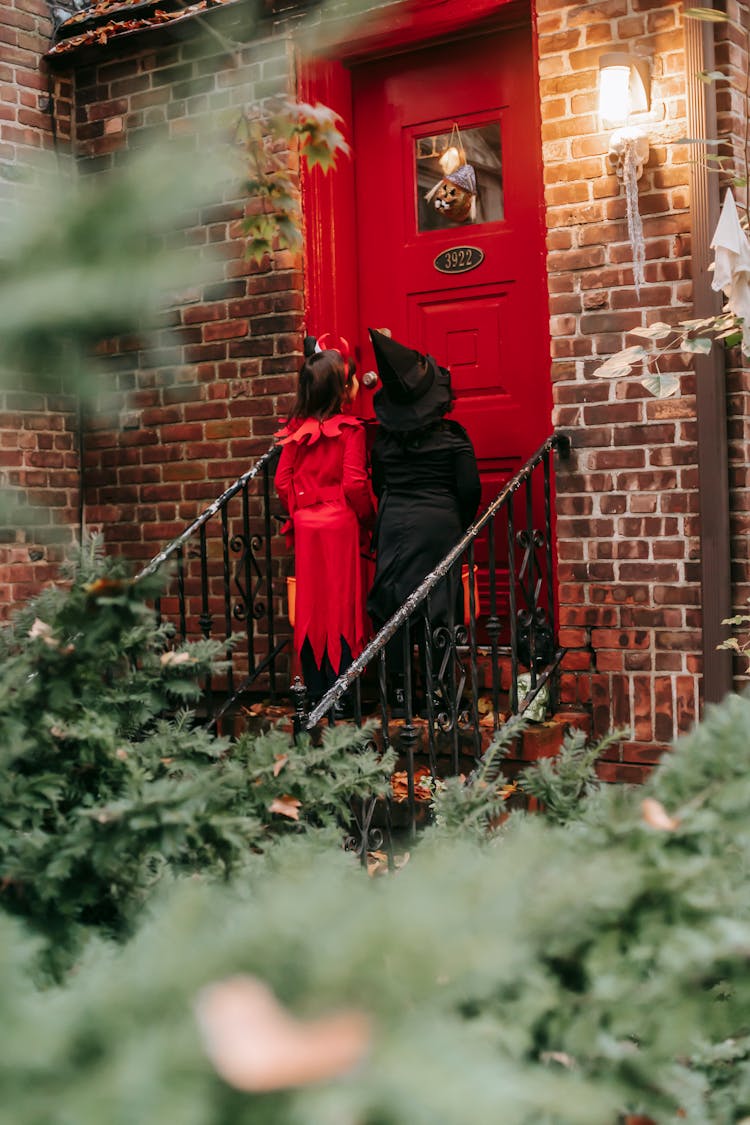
455, 196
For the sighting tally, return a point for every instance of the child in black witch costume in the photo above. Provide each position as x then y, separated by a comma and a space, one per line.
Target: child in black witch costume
425, 476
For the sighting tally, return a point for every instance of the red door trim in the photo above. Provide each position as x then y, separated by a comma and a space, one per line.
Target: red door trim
328, 208
409, 24
328, 203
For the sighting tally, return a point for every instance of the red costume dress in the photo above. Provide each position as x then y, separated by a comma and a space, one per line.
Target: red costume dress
322, 481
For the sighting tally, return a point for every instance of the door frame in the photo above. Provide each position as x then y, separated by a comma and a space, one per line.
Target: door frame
328, 199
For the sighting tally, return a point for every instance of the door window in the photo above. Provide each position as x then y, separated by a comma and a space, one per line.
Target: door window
481, 144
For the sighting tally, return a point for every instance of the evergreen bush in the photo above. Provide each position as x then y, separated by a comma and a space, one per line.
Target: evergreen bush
550, 974
106, 780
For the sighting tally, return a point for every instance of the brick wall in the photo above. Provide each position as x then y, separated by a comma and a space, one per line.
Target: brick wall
627, 503
39, 463
183, 414
178, 421
182, 418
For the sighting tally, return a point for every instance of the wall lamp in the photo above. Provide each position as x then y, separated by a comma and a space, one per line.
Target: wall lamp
624, 89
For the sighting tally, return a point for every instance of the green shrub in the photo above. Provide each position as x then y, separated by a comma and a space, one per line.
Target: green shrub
106, 780
554, 974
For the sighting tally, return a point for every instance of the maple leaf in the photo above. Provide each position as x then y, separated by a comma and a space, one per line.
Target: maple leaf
174, 659
656, 816
286, 806
280, 760
256, 1045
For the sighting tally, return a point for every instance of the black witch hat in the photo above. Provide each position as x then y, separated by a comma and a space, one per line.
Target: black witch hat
415, 390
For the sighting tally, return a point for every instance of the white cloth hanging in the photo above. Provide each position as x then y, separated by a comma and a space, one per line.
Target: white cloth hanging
732, 265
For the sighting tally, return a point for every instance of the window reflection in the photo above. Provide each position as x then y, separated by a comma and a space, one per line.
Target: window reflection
481, 145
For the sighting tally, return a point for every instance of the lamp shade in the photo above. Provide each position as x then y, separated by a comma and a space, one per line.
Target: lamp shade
623, 88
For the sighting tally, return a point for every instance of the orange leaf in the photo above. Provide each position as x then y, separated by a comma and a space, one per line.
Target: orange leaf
377, 864
106, 585
280, 760
256, 1045
656, 816
286, 806
422, 785
174, 659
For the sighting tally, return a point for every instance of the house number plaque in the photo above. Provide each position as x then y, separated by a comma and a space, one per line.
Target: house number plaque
459, 259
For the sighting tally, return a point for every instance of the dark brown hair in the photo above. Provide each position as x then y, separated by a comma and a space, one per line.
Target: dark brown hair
321, 387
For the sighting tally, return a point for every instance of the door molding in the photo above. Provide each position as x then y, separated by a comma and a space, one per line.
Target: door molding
328, 199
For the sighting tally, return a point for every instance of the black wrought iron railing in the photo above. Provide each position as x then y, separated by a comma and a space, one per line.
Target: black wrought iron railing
460, 680
445, 686
225, 580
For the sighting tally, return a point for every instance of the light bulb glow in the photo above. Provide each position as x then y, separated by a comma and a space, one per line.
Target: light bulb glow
614, 96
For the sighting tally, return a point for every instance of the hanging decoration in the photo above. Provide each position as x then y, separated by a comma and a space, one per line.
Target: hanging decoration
455, 195
629, 148
732, 265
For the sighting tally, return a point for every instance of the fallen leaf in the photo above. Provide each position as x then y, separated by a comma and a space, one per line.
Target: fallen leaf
422, 785
256, 1045
106, 585
656, 816
280, 760
286, 806
174, 659
377, 864
559, 1057
41, 631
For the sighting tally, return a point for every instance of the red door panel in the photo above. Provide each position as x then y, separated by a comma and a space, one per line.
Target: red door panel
473, 336
489, 325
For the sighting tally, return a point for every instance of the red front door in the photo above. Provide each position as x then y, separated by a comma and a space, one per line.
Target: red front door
487, 323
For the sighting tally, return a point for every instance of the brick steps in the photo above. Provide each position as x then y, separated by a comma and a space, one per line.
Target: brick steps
538, 740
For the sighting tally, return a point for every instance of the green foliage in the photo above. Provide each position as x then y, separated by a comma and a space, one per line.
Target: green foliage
275, 214
470, 807
562, 782
88, 257
83, 258
555, 974
687, 337
105, 780
741, 643
474, 806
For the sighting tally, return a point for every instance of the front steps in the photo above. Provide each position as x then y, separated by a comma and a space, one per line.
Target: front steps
537, 740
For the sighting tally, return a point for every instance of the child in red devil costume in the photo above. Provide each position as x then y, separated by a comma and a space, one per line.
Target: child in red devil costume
322, 482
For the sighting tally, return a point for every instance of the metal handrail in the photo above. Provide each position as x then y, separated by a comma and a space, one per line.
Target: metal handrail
559, 441
207, 513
